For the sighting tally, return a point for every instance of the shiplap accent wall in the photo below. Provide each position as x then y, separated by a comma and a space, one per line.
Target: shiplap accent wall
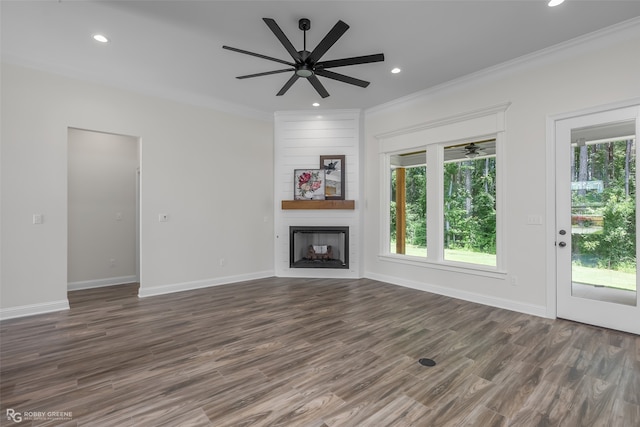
300, 139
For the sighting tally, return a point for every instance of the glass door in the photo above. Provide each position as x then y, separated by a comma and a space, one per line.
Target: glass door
596, 218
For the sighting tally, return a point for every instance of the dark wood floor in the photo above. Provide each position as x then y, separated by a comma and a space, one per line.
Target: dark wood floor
307, 352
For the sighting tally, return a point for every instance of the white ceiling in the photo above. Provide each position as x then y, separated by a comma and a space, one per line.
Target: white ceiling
174, 48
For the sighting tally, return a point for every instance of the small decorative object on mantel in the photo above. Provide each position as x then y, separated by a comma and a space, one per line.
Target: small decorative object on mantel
334, 176
308, 184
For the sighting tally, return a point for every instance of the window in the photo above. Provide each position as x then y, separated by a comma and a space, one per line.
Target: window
469, 177
408, 207
468, 203
442, 188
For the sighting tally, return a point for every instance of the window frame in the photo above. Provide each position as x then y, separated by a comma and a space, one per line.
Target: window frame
433, 137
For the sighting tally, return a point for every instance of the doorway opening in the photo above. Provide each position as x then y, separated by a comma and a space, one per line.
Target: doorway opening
103, 222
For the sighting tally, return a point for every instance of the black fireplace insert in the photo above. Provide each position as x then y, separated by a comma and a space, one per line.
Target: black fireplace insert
319, 247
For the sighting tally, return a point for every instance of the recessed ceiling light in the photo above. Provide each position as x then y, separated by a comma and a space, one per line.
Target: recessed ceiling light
315, 104
100, 38
396, 70
554, 2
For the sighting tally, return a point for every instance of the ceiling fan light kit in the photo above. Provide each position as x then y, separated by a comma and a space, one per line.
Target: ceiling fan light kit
307, 64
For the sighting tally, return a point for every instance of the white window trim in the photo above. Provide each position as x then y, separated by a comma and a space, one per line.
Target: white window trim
433, 136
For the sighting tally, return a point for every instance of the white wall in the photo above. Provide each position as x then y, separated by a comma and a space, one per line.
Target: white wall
300, 139
204, 168
600, 71
207, 170
102, 209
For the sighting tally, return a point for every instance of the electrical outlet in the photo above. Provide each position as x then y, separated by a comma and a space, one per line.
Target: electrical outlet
223, 262
514, 281
112, 262
37, 218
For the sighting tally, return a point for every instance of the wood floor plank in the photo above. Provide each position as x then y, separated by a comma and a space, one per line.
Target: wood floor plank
400, 412
510, 397
483, 417
625, 414
312, 353
593, 403
453, 409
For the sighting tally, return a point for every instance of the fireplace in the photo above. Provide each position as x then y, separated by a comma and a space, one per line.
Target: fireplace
319, 247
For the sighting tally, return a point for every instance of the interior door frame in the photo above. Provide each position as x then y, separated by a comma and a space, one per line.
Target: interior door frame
137, 208
550, 214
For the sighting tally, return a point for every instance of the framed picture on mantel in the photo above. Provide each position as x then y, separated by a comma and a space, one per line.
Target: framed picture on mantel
333, 167
308, 184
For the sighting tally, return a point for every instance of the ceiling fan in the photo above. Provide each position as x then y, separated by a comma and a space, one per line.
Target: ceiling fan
472, 151
307, 64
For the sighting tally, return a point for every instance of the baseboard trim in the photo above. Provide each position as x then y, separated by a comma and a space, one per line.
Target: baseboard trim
33, 309
100, 283
532, 309
145, 292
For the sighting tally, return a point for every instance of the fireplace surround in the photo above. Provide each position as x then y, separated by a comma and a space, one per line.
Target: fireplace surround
319, 247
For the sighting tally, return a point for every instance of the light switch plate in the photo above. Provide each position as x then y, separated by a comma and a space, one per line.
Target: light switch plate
534, 219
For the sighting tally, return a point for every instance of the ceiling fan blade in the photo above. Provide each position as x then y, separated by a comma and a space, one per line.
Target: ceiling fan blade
248, 76
318, 86
366, 59
288, 84
342, 78
332, 36
283, 39
258, 55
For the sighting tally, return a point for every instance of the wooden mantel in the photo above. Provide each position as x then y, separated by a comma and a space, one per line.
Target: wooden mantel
318, 204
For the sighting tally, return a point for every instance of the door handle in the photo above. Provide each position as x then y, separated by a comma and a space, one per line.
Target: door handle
562, 244
562, 232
